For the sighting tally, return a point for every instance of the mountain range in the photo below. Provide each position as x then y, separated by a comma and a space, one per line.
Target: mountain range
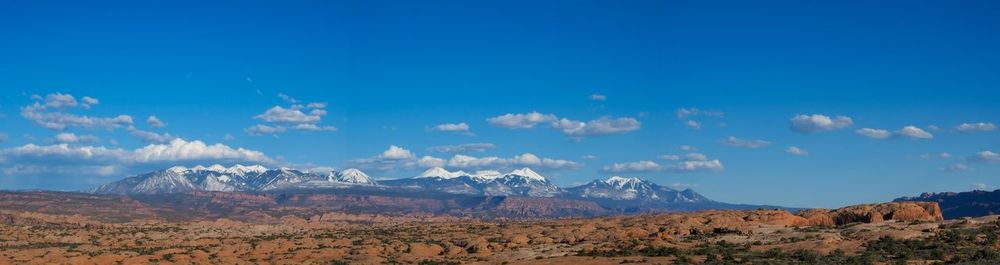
614, 194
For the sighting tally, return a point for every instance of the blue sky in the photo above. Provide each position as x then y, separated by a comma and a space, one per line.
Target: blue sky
389, 72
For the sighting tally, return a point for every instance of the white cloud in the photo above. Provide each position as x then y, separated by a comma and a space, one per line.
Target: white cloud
58, 120
261, 129
736, 142
155, 122
520, 121
296, 117
670, 157
794, 150
874, 133
228, 137
691, 166
910, 131
400, 158
684, 113
76, 162
288, 99
598, 97
589, 157
452, 127
181, 150
523, 160
696, 157
914, 133
277, 114
462, 148
818, 123
691, 124
957, 168
689, 163
985, 156
151, 136
396, 153
60, 100
89, 101
975, 127
638, 166
430, 161
601, 126
73, 138
392, 158
314, 128
940, 155
687, 148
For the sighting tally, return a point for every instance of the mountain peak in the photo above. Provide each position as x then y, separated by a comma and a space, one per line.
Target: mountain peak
177, 169
242, 170
354, 175
437, 172
527, 173
620, 182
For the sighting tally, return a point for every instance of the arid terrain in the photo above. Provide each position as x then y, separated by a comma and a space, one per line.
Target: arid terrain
34, 232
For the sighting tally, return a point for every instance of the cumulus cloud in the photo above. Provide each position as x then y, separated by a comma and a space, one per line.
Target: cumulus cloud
73, 138
155, 122
400, 158
314, 128
913, 132
43, 115
151, 137
589, 157
451, 127
910, 131
732, 141
392, 158
520, 121
396, 153
687, 148
985, 156
89, 101
430, 161
818, 123
181, 150
601, 126
523, 160
874, 133
669, 157
261, 129
957, 168
691, 162
694, 125
277, 114
598, 97
295, 117
684, 113
975, 127
794, 150
287, 98
76, 161
462, 148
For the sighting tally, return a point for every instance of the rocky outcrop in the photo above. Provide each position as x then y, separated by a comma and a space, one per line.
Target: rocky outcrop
875, 213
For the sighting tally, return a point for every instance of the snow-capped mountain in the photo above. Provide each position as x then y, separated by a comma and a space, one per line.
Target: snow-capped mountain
521, 182
634, 189
236, 178
353, 176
